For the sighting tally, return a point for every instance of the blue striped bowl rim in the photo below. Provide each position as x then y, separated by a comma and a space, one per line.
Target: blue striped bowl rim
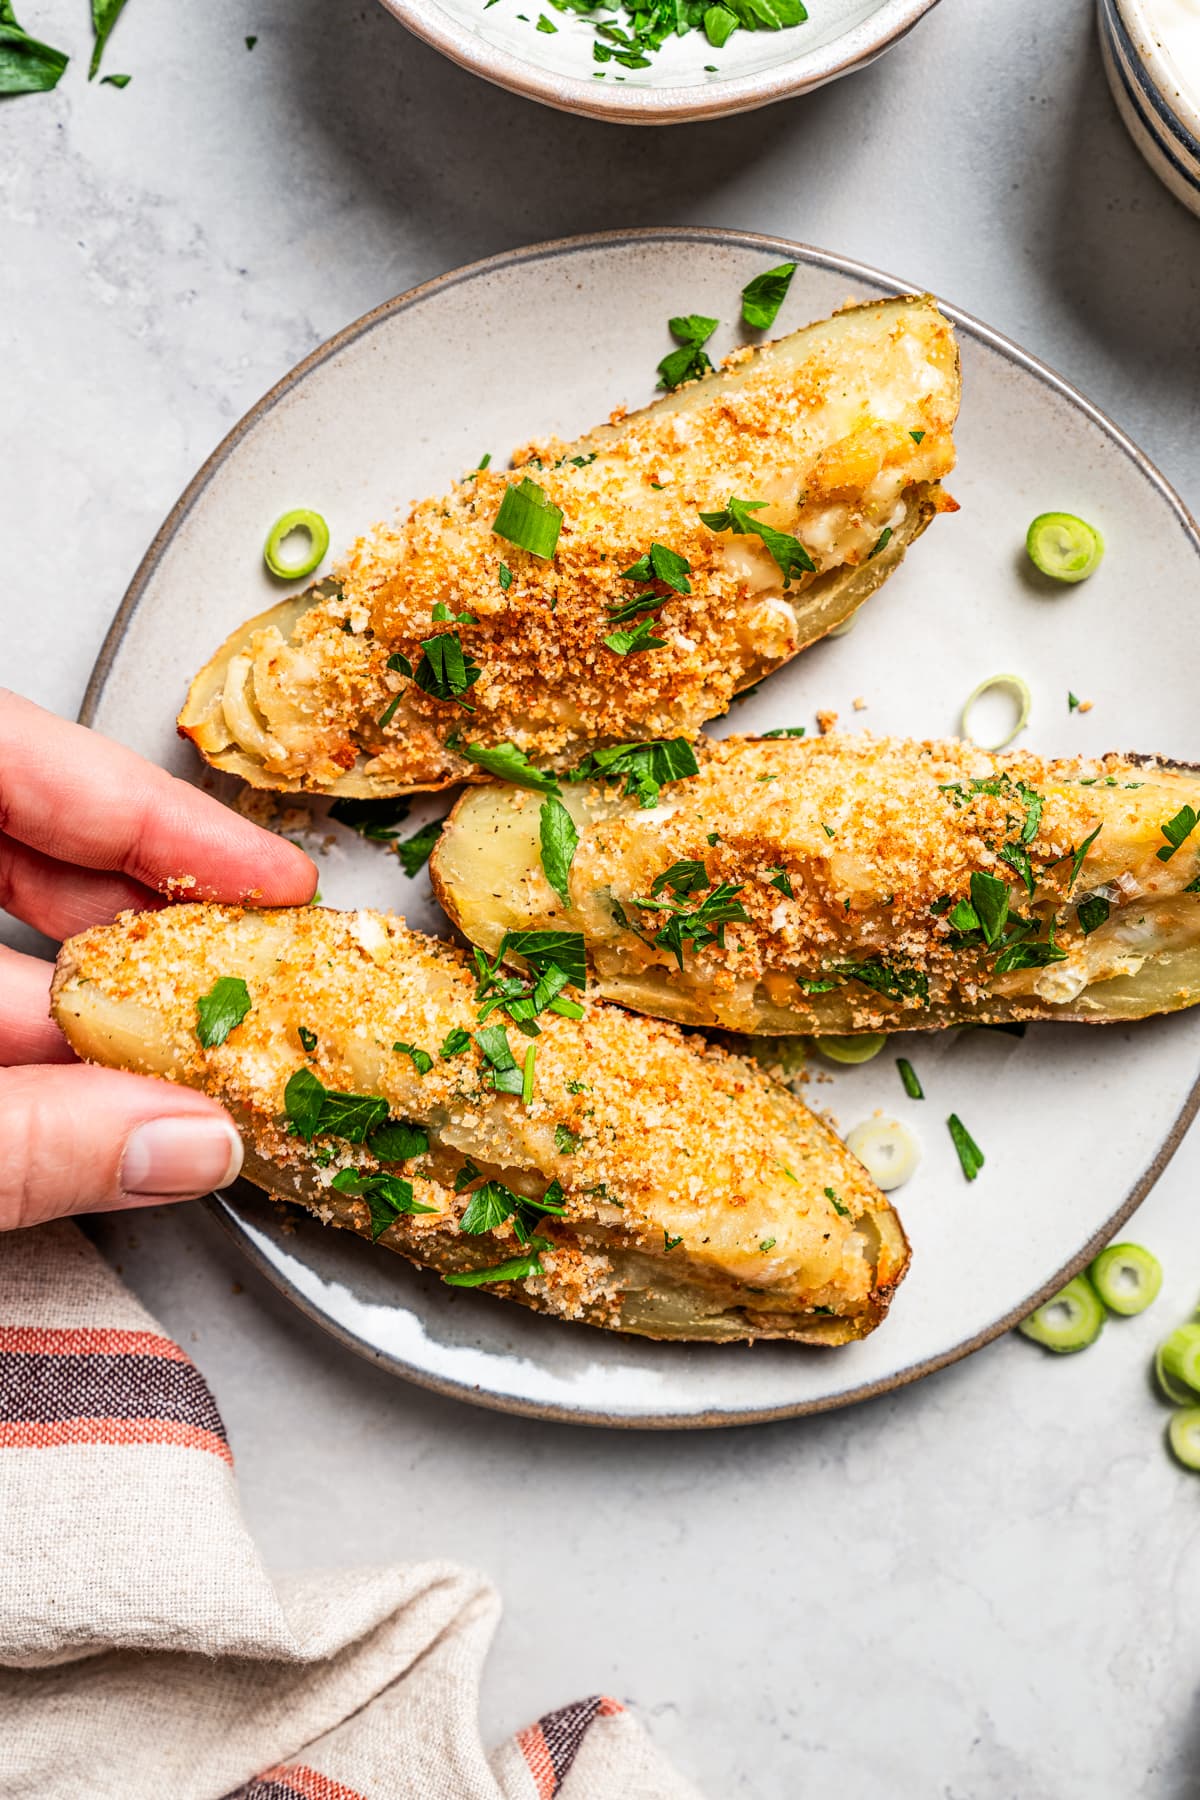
1171, 137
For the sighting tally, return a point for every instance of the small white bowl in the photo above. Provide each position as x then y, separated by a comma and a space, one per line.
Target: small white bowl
1158, 100
753, 69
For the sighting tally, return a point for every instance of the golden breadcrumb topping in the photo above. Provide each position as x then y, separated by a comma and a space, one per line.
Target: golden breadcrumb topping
848, 850
842, 432
662, 1145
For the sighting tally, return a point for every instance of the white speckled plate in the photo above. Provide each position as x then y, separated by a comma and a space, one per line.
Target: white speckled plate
687, 78
1076, 1122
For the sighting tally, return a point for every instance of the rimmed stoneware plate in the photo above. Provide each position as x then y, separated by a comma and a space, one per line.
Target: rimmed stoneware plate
1075, 1122
687, 79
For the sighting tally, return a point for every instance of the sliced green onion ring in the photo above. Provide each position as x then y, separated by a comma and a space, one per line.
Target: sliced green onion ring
851, 1049
1072, 1320
1183, 1435
1177, 1364
887, 1150
1064, 547
310, 525
1127, 1278
1018, 686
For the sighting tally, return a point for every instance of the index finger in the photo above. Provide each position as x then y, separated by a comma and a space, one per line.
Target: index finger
84, 799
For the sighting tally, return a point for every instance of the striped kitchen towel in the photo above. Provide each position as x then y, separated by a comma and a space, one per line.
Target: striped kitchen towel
145, 1654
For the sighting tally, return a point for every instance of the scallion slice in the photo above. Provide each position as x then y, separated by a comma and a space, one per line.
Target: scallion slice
851, 1049
1177, 1364
1018, 686
910, 1078
1072, 1320
305, 524
1063, 547
887, 1150
528, 520
1126, 1277
1183, 1435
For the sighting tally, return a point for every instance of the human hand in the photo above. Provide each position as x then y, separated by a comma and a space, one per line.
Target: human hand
87, 829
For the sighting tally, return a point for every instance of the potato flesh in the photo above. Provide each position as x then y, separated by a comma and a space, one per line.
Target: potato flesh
684, 1225
843, 431
899, 845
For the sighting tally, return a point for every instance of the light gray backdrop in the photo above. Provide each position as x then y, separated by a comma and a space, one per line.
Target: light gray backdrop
984, 1588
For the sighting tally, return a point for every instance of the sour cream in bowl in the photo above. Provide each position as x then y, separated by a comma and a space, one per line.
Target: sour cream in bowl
1151, 51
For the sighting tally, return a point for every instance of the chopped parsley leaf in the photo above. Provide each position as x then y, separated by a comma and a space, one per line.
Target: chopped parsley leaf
454, 1043
510, 764
630, 643
308, 1039
670, 1243
765, 294
881, 542
398, 1142
223, 1007
1176, 831
1092, 914
311, 1107
415, 851
565, 1142
896, 984
837, 1204
517, 1268
781, 880
700, 926
387, 1197
692, 331
789, 554
505, 574
766, 1244
421, 1060
785, 731
916, 436
970, 1156
1072, 702
908, 1075
559, 841
661, 564
1077, 859
682, 878
646, 767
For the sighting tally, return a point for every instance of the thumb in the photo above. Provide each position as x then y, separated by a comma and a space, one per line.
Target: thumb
80, 1139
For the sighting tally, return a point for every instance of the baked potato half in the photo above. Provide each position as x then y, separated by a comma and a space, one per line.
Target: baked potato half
674, 557
849, 884
560, 1152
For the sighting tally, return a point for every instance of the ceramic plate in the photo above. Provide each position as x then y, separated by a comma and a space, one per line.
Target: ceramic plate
687, 78
1075, 1122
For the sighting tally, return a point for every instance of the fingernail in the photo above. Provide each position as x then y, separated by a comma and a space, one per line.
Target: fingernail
188, 1155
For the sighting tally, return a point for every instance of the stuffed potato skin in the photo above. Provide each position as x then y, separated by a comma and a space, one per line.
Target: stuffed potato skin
848, 852
699, 1198
839, 436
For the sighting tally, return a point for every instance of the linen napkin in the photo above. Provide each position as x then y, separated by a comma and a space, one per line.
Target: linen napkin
146, 1654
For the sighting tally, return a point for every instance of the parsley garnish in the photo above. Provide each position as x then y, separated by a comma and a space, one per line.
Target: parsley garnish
766, 1244
897, 984
454, 1043
528, 520
646, 767
762, 297
1022, 954
308, 1039
559, 840
970, 1155
791, 558
397, 1142
565, 1142
692, 331
661, 564
421, 1060
546, 950
669, 1242
700, 926
908, 1076
446, 671
782, 881
518, 1268
782, 731
375, 819
682, 878
836, 1204
629, 643
387, 1197
1072, 702
1176, 831
414, 852
311, 1107
225, 1005
916, 436
105, 14
881, 542
510, 764
1077, 859
501, 1072
1017, 858
505, 577
1092, 913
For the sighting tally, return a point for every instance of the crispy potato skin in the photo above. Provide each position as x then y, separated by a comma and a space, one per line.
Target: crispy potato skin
878, 841
843, 432
696, 1190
